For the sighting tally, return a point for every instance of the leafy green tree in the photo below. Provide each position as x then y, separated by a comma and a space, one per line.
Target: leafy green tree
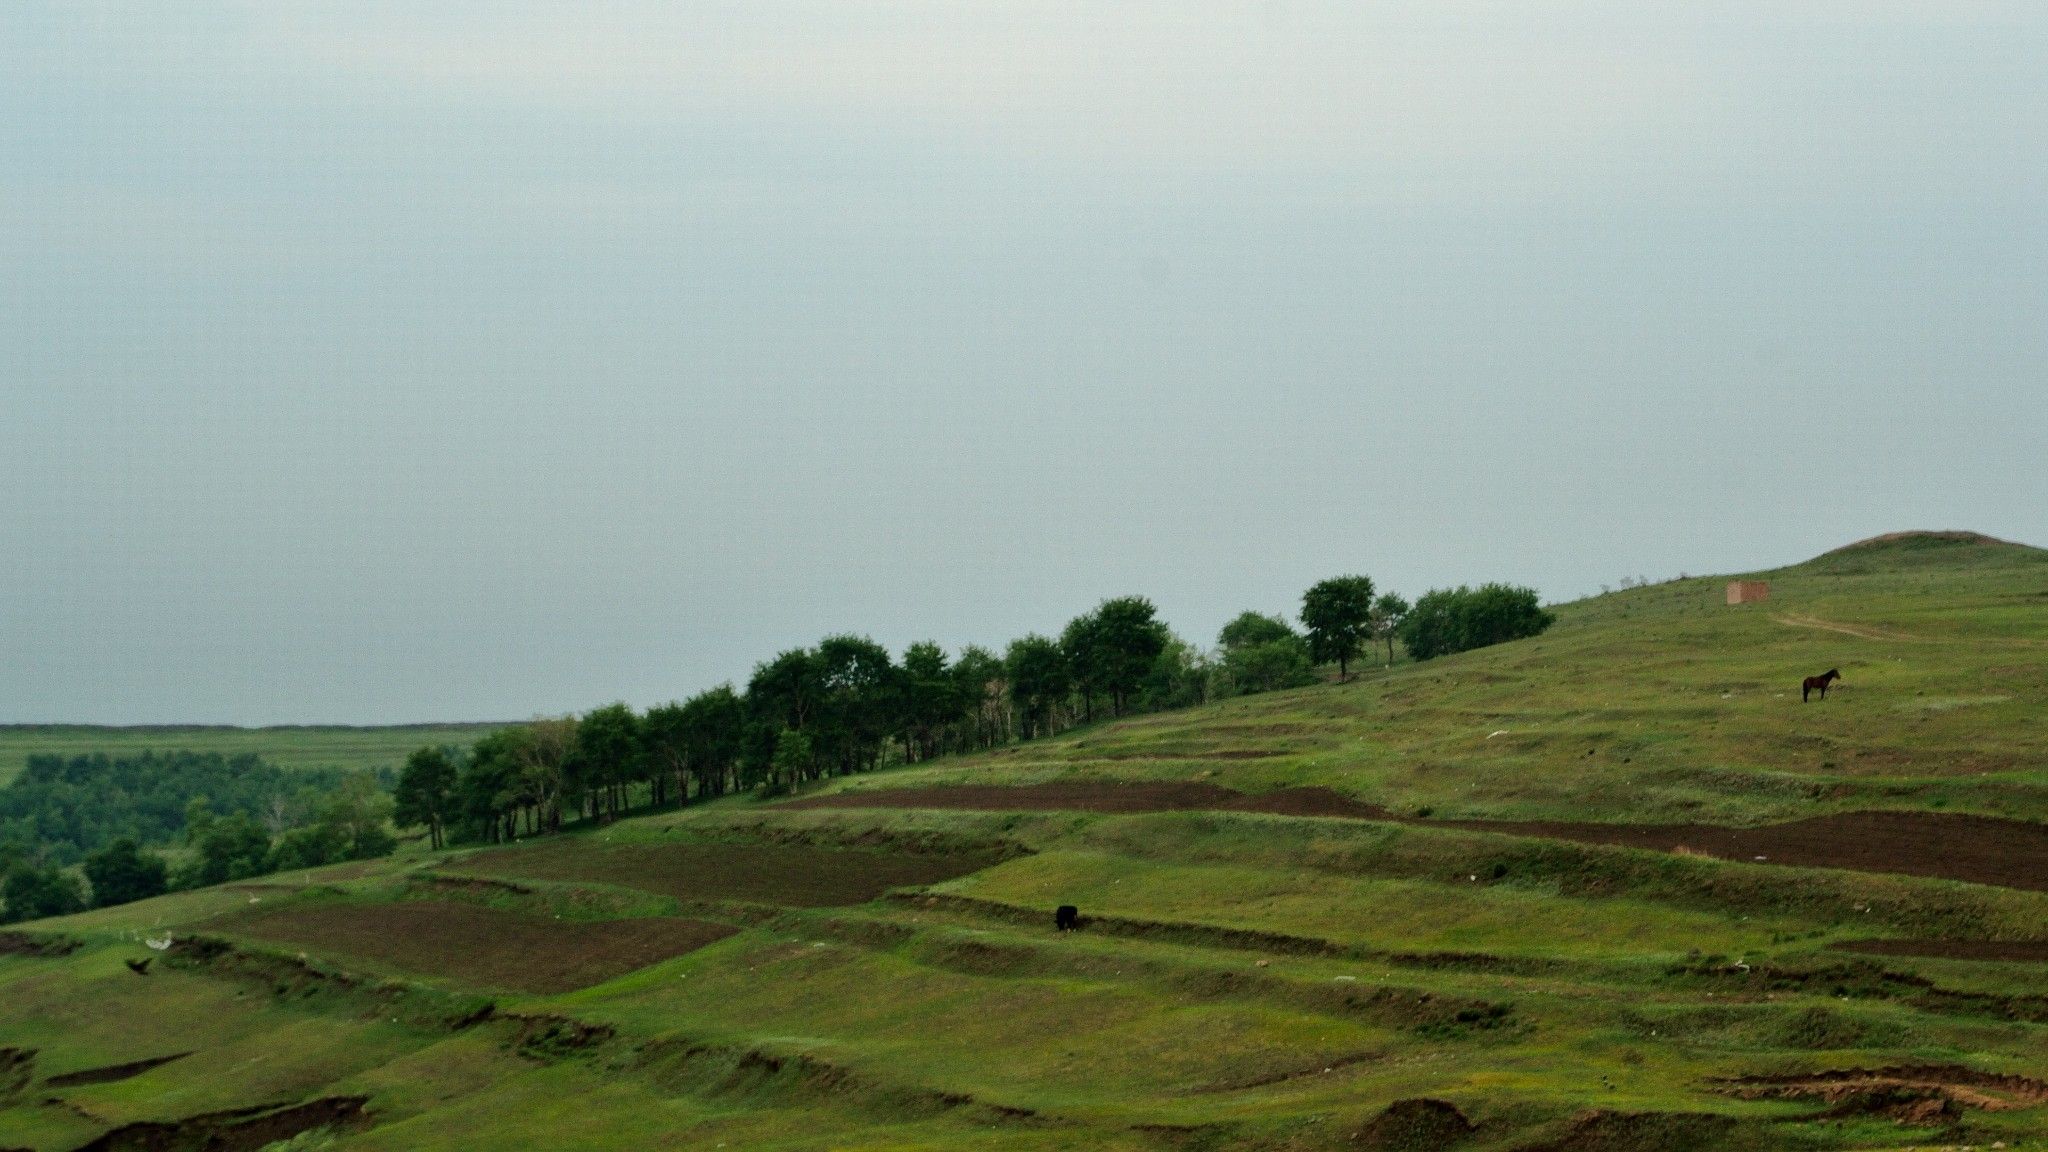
309, 846
931, 700
607, 753
1179, 677
1112, 649
1252, 628
1338, 616
791, 763
714, 733
231, 847
34, 893
488, 787
861, 704
986, 715
785, 692
1387, 613
122, 873
1039, 680
665, 748
360, 814
1450, 620
1261, 653
426, 792
547, 758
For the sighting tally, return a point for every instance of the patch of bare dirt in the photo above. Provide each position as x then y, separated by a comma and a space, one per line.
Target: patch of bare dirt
2013, 951
1419, 1124
1919, 1094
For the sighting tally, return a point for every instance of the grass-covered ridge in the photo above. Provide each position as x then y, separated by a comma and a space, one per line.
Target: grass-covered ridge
1243, 978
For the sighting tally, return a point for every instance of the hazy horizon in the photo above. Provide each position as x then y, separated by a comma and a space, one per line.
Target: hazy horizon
365, 364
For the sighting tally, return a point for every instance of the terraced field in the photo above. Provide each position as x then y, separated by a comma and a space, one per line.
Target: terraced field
1612, 888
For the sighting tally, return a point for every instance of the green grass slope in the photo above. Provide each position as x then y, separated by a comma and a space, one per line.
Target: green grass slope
1241, 979
1657, 704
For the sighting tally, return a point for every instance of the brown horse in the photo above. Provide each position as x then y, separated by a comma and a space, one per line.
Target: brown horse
1820, 683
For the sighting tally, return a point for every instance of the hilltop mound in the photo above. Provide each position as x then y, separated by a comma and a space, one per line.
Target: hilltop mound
1922, 539
1919, 549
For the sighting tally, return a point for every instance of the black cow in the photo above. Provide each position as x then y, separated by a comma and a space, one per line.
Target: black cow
1066, 918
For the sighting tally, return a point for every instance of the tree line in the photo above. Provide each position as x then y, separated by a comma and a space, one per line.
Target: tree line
848, 705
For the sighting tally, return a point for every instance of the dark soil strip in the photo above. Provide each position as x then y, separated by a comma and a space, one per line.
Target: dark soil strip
242, 1130
1975, 849
1104, 797
2014, 951
112, 1072
481, 947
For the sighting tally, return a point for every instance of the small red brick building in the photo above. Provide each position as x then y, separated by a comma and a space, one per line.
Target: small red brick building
1748, 591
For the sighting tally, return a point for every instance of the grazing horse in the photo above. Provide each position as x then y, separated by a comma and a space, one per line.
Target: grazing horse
1066, 917
1820, 683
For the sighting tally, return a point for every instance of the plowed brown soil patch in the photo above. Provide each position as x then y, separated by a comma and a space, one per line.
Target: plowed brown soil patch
1977, 849
1962, 1086
2015, 951
480, 947
796, 876
1164, 796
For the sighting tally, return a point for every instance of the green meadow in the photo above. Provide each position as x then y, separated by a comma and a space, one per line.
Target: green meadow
890, 977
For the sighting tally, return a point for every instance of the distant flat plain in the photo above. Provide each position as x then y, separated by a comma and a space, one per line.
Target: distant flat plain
322, 746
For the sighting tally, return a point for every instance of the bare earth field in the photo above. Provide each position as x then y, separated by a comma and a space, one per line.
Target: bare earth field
796, 876
481, 947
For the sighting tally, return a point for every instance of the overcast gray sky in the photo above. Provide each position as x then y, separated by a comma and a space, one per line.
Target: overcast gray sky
380, 362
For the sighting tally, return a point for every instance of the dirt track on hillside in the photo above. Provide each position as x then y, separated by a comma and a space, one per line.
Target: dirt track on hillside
1977, 849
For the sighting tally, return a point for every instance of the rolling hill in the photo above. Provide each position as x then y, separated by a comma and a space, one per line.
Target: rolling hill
1614, 887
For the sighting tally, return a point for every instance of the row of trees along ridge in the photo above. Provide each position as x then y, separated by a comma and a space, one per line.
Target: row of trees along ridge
848, 706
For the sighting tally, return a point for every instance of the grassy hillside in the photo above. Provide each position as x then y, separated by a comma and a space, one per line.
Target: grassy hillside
1368, 915
286, 747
